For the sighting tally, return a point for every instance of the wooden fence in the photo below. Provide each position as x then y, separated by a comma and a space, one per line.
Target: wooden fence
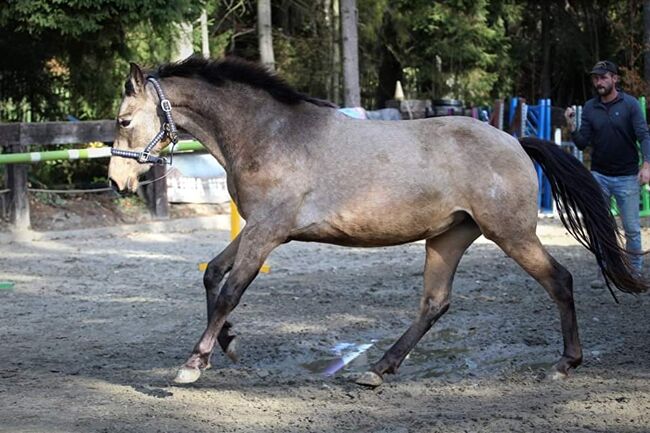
17, 137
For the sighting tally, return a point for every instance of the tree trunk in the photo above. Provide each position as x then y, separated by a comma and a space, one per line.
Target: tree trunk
390, 69
646, 42
264, 33
336, 52
205, 43
327, 20
16, 181
156, 192
546, 52
183, 43
351, 89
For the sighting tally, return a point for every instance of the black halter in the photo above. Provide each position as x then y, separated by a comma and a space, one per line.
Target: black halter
168, 129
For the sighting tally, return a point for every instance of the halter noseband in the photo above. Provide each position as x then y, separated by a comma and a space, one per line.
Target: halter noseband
168, 129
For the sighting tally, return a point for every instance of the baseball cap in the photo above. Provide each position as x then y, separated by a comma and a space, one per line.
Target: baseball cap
603, 67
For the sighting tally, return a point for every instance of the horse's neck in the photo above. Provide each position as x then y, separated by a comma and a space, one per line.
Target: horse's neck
232, 121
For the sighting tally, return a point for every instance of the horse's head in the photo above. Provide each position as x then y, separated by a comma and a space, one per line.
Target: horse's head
139, 119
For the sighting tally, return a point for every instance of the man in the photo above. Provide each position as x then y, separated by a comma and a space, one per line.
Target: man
612, 123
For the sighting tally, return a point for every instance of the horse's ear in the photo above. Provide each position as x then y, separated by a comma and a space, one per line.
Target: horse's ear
135, 83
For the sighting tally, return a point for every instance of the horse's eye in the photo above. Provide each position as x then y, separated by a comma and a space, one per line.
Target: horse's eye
124, 123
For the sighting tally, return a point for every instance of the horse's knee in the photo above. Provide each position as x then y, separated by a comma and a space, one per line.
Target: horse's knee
213, 275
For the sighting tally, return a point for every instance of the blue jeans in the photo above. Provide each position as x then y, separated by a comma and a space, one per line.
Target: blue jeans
626, 191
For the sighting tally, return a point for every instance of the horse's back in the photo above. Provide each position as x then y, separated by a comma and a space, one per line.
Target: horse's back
455, 153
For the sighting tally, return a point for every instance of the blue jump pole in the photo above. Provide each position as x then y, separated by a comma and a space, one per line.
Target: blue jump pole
547, 203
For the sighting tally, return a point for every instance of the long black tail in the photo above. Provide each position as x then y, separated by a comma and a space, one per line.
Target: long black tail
585, 213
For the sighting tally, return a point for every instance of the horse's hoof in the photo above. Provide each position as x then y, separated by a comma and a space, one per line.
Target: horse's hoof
231, 350
187, 375
369, 379
561, 369
554, 375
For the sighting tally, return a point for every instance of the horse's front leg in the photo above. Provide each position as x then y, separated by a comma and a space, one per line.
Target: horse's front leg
255, 244
214, 273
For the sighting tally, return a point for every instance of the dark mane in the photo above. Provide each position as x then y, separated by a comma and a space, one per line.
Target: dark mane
236, 69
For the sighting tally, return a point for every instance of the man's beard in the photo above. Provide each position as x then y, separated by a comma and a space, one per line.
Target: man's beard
604, 91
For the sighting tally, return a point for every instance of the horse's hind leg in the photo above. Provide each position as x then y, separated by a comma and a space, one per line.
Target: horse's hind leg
443, 255
214, 273
531, 255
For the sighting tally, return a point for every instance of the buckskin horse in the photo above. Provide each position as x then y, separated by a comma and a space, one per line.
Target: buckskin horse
299, 170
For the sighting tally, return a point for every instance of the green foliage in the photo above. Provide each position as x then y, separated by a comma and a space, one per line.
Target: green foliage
130, 205
76, 19
69, 172
459, 48
78, 50
50, 199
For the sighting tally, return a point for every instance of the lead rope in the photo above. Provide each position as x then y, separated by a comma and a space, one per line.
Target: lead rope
167, 173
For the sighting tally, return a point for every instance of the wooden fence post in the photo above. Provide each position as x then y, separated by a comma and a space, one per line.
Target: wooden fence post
18, 197
156, 193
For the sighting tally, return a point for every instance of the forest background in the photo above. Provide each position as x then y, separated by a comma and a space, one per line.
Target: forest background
66, 60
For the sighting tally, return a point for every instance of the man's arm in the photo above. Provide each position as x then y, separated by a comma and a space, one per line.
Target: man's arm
643, 137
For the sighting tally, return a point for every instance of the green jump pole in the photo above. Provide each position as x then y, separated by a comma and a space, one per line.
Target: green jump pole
91, 153
185, 146
644, 199
55, 155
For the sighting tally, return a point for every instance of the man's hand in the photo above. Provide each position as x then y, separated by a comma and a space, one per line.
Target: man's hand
570, 116
644, 173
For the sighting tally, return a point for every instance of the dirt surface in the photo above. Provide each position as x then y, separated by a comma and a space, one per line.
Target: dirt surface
65, 212
98, 320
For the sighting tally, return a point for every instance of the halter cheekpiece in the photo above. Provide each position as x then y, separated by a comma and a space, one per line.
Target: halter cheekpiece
168, 128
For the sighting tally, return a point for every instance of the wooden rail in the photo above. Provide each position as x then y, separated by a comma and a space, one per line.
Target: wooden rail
51, 133
17, 137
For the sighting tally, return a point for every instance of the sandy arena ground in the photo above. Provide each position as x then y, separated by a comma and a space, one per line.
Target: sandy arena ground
98, 321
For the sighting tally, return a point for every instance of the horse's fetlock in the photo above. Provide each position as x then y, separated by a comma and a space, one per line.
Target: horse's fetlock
198, 360
575, 359
203, 352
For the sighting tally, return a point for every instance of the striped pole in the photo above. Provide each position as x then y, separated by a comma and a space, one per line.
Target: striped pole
90, 153
55, 155
578, 109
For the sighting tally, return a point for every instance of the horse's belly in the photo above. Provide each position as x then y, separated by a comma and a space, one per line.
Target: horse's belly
374, 230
